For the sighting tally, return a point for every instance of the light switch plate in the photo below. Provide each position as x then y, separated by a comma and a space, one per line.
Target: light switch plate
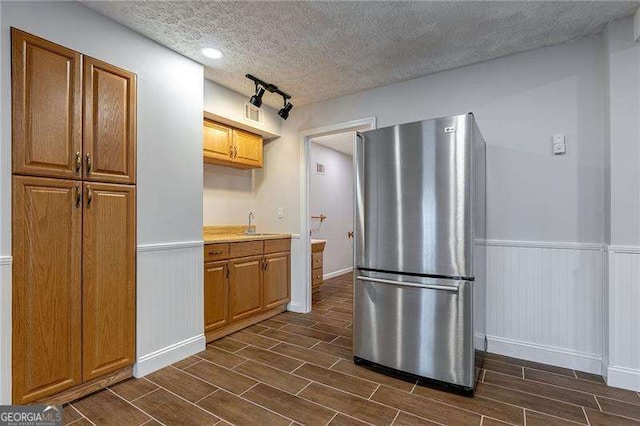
280, 212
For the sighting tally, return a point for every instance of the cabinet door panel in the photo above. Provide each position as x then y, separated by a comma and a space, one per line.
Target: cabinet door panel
248, 149
108, 285
245, 286
216, 144
109, 123
216, 295
277, 279
47, 107
47, 226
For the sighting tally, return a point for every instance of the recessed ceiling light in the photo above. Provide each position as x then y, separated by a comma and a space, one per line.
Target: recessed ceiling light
212, 53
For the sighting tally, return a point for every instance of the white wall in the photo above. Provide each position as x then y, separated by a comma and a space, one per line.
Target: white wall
227, 195
331, 194
519, 102
622, 260
170, 105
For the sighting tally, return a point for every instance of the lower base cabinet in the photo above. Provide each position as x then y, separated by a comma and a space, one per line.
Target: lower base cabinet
244, 289
216, 295
73, 315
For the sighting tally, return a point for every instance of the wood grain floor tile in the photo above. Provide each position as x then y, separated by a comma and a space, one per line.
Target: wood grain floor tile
273, 377
590, 377
541, 389
294, 339
187, 362
270, 358
533, 402
256, 328
238, 411
339, 315
84, 422
405, 419
348, 367
530, 364
342, 420
326, 320
360, 408
337, 380
477, 404
539, 419
307, 355
106, 409
133, 388
254, 339
181, 383
171, 410
228, 344
339, 351
583, 385
70, 414
598, 418
342, 308
221, 377
346, 342
286, 404
425, 408
309, 332
221, 357
339, 331
619, 408
294, 318
273, 323
501, 367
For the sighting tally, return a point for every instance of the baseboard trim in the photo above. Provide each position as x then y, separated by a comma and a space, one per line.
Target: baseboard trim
154, 361
337, 273
6, 260
625, 378
624, 249
551, 355
170, 246
542, 244
296, 307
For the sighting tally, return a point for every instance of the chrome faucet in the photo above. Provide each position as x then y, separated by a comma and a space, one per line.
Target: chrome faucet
250, 230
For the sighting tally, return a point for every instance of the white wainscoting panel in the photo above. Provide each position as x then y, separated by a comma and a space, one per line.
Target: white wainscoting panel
5, 330
624, 317
544, 302
170, 306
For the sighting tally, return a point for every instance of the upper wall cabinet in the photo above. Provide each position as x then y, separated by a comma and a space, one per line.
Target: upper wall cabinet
47, 108
52, 135
109, 123
226, 146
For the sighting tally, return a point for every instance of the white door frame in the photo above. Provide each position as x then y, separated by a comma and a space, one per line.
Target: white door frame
305, 239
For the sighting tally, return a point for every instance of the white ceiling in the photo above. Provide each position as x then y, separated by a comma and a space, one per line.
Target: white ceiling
342, 142
321, 50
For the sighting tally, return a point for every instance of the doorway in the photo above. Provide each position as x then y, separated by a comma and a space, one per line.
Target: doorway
323, 143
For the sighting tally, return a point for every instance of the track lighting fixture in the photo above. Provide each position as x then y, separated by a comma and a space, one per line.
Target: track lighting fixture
284, 112
256, 99
261, 87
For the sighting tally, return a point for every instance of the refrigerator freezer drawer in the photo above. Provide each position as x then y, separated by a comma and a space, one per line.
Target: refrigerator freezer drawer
418, 326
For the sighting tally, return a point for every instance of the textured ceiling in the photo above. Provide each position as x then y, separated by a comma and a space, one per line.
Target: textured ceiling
321, 50
342, 142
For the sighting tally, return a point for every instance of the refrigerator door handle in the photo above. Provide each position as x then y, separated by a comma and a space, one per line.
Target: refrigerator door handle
451, 288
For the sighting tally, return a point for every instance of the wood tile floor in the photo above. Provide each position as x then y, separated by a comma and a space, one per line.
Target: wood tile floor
298, 369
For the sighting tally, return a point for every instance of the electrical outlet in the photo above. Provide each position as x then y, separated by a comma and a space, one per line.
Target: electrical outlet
559, 144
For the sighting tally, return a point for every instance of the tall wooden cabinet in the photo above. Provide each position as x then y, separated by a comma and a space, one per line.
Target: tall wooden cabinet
74, 220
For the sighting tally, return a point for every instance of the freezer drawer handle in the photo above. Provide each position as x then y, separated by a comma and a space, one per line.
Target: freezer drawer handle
451, 288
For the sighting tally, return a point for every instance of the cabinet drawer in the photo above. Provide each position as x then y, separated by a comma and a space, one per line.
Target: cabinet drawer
277, 246
245, 248
216, 252
316, 277
316, 260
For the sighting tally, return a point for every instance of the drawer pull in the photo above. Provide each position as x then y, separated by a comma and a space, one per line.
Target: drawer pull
211, 253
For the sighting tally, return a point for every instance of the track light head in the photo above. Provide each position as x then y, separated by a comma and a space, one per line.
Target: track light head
284, 112
256, 99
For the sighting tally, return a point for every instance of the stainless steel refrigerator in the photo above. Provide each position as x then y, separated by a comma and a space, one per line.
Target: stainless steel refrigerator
419, 253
